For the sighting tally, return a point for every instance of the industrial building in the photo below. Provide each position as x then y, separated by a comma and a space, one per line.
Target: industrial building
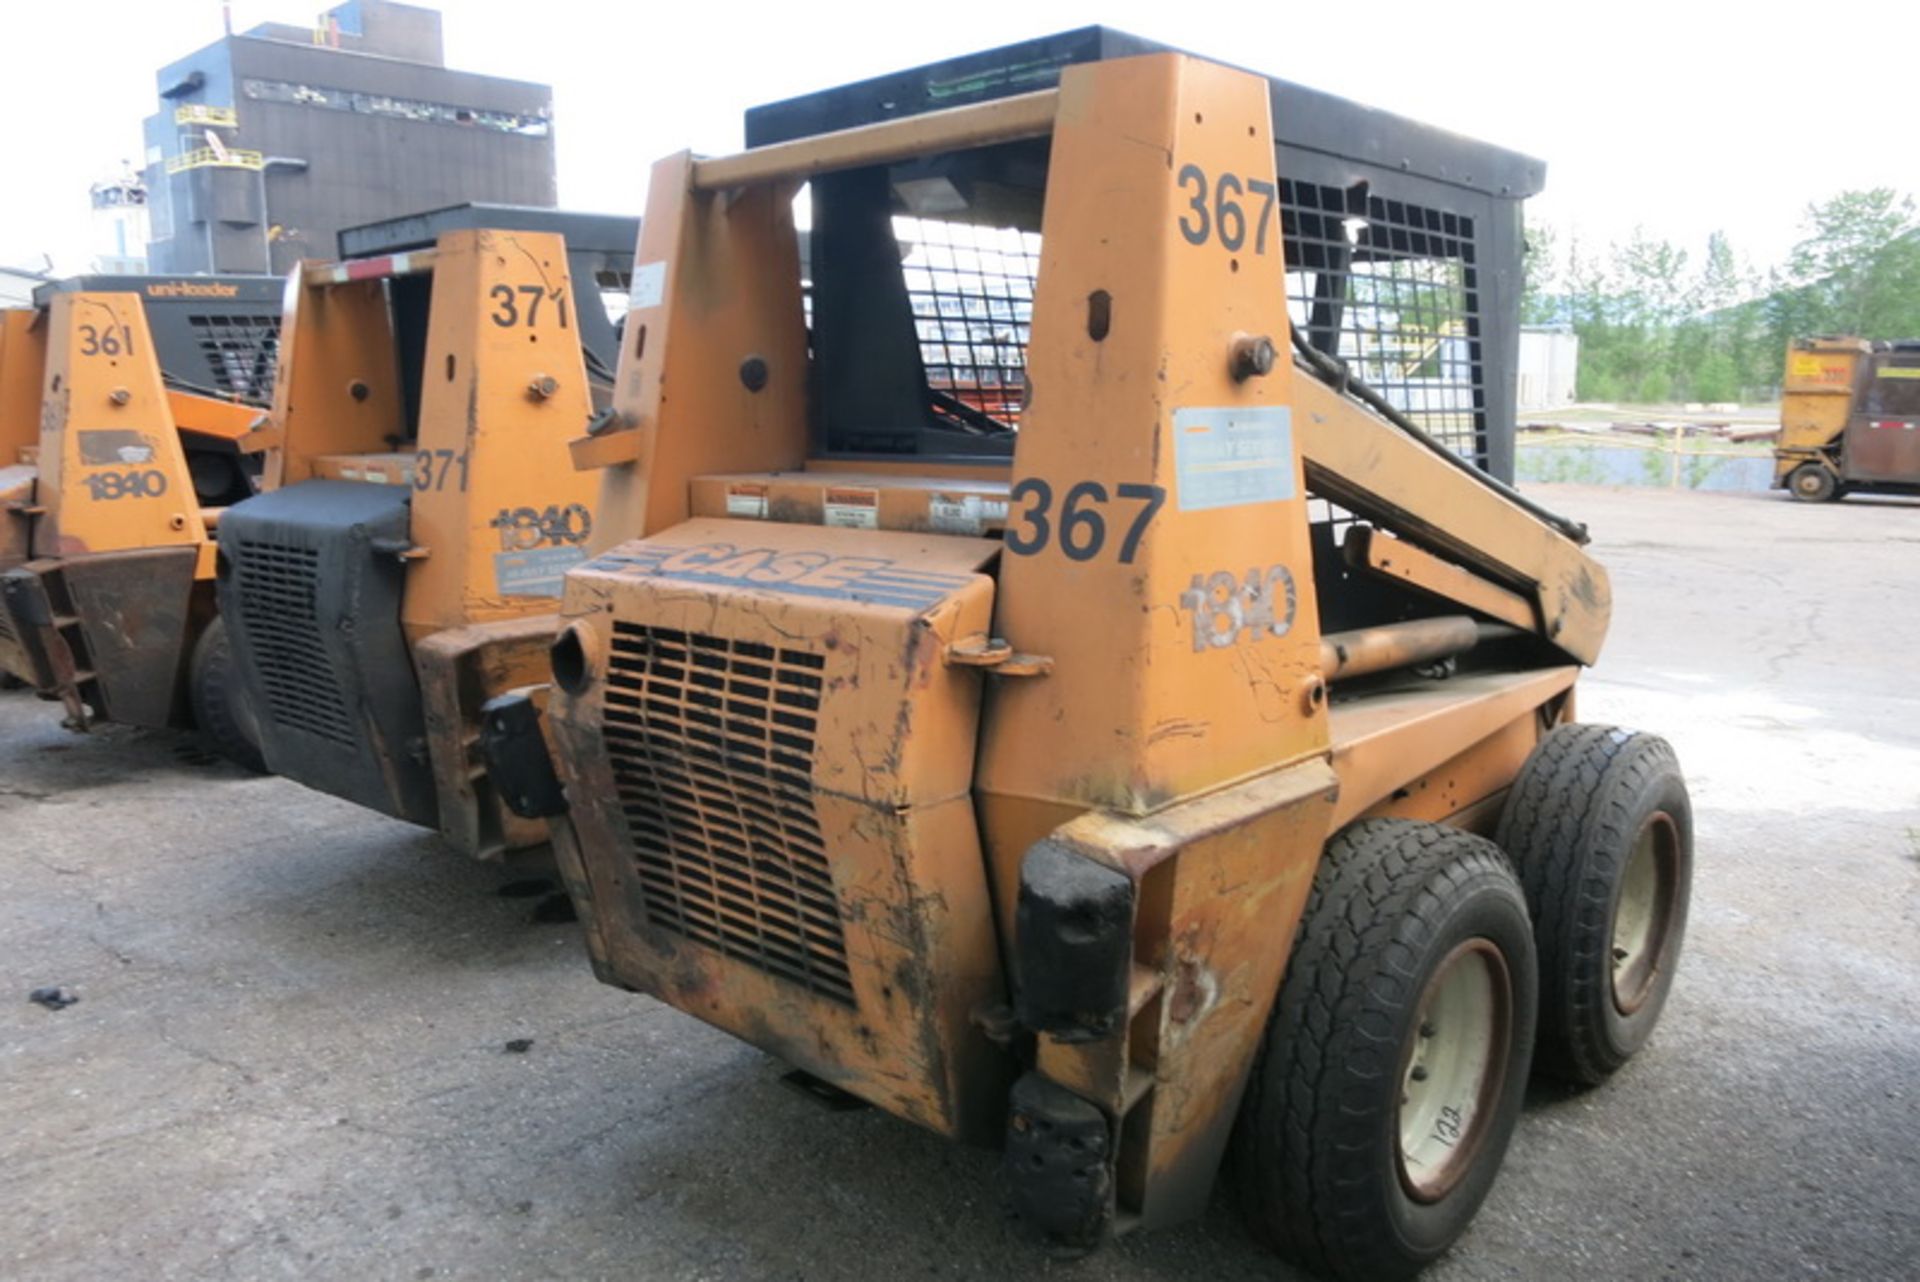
268, 142
1549, 366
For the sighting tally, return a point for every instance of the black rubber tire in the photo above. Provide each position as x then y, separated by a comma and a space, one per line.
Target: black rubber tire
1813, 483
220, 707
1316, 1147
1570, 822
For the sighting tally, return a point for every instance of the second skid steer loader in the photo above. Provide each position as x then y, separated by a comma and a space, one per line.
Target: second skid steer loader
405, 566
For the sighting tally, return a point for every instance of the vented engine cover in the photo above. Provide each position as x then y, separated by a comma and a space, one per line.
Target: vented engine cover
310, 584
770, 765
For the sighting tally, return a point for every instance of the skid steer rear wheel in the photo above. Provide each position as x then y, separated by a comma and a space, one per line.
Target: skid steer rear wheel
221, 710
1393, 1068
1600, 828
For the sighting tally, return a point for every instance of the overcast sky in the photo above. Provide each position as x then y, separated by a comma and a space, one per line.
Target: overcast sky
1682, 115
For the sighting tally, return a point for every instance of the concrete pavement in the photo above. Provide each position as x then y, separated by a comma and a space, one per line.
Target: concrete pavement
290, 1057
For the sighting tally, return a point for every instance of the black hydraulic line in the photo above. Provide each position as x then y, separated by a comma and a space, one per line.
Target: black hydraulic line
1334, 372
596, 367
958, 413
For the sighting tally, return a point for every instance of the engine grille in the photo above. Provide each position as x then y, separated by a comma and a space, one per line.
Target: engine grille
711, 744
276, 583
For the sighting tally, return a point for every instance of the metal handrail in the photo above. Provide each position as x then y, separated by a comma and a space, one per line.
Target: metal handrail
208, 158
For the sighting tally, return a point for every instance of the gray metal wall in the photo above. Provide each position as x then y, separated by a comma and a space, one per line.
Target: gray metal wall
362, 165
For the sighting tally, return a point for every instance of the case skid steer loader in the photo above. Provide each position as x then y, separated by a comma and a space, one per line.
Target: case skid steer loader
1098, 725
404, 567
123, 403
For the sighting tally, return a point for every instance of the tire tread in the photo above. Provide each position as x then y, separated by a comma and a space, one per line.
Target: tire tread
211, 693
1563, 824
1381, 891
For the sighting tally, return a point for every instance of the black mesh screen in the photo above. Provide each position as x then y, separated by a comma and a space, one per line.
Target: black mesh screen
971, 291
1390, 288
239, 351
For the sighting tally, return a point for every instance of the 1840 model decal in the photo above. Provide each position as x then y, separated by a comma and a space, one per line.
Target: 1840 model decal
1226, 607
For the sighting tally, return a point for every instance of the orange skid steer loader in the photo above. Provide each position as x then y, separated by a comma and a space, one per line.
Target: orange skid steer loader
1172, 763
405, 566
123, 405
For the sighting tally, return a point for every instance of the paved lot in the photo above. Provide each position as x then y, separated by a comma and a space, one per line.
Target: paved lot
290, 1059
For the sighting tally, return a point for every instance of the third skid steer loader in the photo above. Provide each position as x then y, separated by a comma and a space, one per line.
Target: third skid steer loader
1078, 724
123, 404
405, 567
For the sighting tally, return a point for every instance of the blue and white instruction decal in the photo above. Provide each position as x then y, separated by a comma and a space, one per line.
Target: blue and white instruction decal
536, 572
1232, 457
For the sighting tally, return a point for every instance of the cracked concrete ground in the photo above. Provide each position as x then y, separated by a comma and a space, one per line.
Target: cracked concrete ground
290, 1059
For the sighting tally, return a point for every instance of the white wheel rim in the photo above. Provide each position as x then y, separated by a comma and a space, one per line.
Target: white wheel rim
1642, 912
1453, 1068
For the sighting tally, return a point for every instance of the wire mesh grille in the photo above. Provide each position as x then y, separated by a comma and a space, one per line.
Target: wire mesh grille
971, 289
240, 352
1391, 289
711, 743
1388, 286
278, 612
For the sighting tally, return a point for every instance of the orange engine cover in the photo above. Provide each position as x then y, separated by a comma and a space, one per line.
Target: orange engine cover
770, 765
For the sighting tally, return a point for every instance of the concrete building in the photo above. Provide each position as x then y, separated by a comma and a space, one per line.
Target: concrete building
268, 142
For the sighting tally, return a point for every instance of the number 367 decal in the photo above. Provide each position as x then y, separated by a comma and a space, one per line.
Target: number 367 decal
1080, 526
1225, 208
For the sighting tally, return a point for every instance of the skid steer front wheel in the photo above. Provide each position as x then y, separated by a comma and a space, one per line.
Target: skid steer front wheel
1397, 1055
221, 709
1599, 825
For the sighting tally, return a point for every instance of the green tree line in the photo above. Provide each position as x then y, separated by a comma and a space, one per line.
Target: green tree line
1658, 323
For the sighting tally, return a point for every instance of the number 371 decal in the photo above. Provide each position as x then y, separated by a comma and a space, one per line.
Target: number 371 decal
520, 305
